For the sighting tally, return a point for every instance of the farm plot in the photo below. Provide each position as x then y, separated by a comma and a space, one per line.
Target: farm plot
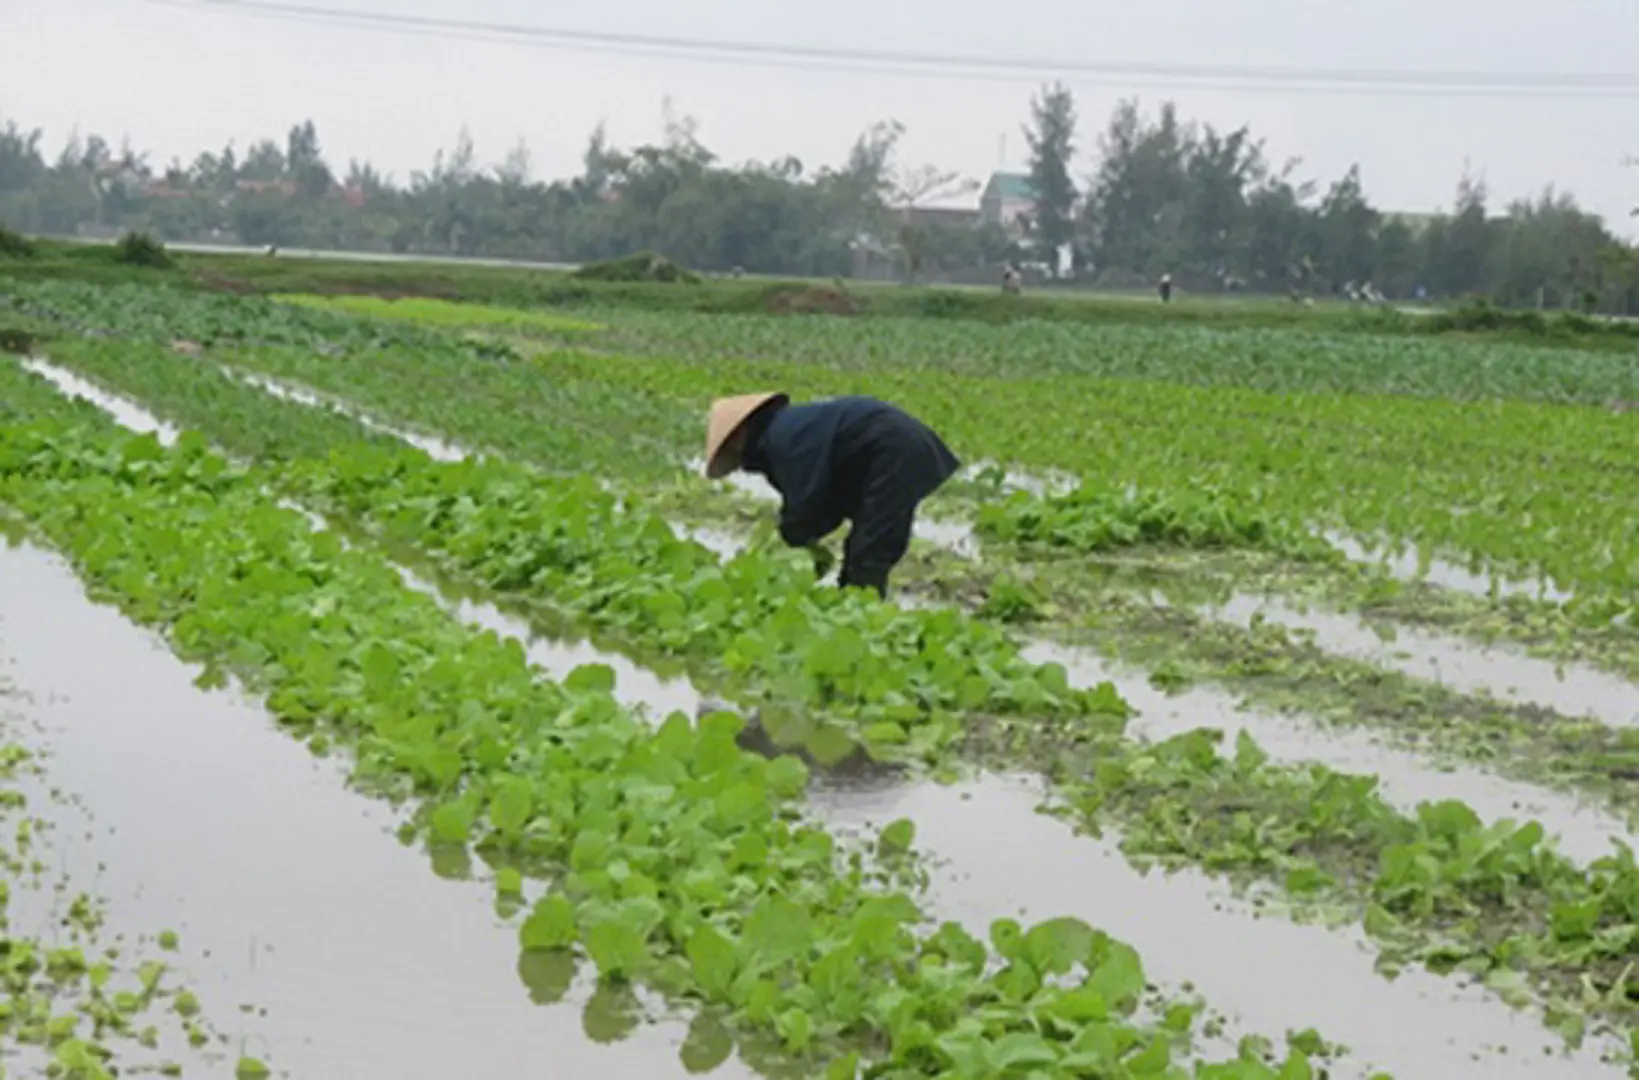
1439, 887
537, 774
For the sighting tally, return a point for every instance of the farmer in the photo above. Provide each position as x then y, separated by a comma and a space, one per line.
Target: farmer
849, 458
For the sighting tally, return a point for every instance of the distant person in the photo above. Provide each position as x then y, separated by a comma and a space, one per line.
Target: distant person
1165, 288
851, 459
1011, 279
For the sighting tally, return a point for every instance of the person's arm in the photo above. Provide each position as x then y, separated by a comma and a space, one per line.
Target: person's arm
802, 525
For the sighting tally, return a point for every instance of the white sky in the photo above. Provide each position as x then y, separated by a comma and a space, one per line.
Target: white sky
180, 79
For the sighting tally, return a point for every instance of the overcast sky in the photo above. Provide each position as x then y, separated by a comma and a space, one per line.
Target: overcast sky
179, 79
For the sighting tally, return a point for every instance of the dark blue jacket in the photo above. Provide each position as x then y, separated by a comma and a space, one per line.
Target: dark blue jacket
818, 457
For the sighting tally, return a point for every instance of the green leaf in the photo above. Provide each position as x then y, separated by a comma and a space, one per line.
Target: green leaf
1297, 1067
591, 679
776, 931
551, 925
1020, 1050
1119, 978
713, 960
1152, 1060
512, 805
1054, 947
897, 838
843, 1068
509, 882
1511, 986
617, 949
796, 1028
451, 824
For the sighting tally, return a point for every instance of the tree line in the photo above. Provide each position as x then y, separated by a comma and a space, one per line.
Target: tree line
1212, 209
1165, 196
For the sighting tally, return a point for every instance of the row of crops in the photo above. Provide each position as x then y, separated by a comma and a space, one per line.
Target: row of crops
1516, 487
659, 851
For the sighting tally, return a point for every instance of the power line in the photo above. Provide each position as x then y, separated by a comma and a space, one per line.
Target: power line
960, 66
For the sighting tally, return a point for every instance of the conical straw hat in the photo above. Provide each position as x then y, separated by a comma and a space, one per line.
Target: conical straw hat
726, 417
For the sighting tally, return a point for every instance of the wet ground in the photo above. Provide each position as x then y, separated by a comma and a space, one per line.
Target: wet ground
291, 895
437, 449
1269, 974
997, 856
1574, 690
1407, 565
127, 413
1584, 832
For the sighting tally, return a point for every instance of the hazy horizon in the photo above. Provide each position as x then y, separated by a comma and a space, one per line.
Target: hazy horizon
178, 80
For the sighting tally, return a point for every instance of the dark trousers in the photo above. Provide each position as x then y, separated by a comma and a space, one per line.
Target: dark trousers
881, 531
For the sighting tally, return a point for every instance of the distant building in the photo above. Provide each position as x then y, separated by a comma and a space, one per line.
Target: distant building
1008, 199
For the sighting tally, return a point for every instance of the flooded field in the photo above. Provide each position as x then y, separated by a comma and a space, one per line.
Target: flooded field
310, 934
503, 800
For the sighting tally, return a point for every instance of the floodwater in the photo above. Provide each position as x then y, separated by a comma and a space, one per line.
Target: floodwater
997, 856
1406, 565
1584, 832
127, 413
289, 892
1575, 690
1051, 482
437, 449
1269, 975
720, 542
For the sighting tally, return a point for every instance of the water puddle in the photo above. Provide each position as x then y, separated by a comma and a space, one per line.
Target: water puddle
289, 892
1407, 566
1584, 832
997, 857
128, 413
950, 534
1043, 484
1575, 690
720, 542
437, 449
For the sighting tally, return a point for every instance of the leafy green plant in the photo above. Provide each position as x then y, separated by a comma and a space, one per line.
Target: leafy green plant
673, 859
1090, 519
569, 549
